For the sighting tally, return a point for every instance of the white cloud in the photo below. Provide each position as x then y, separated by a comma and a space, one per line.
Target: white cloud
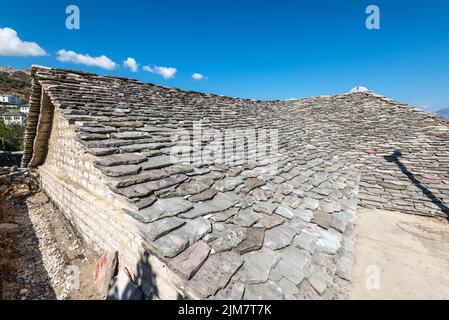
12, 45
198, 76
85, 59
165, 72
131, 64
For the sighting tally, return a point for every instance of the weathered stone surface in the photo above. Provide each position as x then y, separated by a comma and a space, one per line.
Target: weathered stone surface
234, 171
188, 262
130, 135
285, 212
194, 186
245, 218
303, 214
254, 241
146, 188
330, 241
311, 203
162, 208
228, 237
294, 264
268, 221
105, 269
156, 163
224, 215
155, 230
203, 196
220, 202
279, 237
227, 184
233, 291
215, 273
292, 201
258, 265
261, 194
263, 291
118, 171
252, 183
171, 244
121, 159
322, 219
122, 288
288, 289
143, 203
102, 151
265, 207
319, 280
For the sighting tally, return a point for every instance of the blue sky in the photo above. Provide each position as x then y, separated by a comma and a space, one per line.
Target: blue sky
252, 49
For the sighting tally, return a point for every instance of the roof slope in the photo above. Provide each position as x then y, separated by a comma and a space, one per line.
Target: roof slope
280, 221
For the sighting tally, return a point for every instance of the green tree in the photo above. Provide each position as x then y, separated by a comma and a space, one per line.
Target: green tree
11, 136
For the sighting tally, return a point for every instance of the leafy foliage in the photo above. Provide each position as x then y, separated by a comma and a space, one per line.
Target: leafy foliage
11, 136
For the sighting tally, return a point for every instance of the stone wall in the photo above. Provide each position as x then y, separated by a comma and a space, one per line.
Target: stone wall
77, 188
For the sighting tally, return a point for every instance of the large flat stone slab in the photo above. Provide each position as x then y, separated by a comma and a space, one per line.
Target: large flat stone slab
162, 208
188, 262
215, 273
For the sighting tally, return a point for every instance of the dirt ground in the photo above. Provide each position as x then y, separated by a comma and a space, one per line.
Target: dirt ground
40, 255
400, 256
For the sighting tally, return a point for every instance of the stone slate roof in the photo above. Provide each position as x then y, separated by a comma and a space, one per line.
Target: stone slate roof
244, 230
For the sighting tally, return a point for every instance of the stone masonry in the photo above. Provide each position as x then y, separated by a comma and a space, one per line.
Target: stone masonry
250, 230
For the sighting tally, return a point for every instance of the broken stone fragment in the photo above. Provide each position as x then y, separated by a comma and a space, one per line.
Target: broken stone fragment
194, 186
203, 196
188, 262
253, 241
105, 269
245, 218
227, 236
215, 273
268, 221
252, 183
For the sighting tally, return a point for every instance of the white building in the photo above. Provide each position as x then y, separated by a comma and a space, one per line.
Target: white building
14, 117
4, 98
25, 109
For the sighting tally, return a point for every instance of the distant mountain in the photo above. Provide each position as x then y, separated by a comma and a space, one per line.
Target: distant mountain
444, 113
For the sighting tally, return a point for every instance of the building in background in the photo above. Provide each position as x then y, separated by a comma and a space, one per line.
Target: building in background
25, 109
5, 98
13, 117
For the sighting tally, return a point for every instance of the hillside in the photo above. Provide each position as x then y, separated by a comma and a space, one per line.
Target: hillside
16, 83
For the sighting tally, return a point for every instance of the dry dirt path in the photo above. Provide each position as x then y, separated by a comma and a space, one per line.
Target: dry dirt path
40, 255
400, 256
